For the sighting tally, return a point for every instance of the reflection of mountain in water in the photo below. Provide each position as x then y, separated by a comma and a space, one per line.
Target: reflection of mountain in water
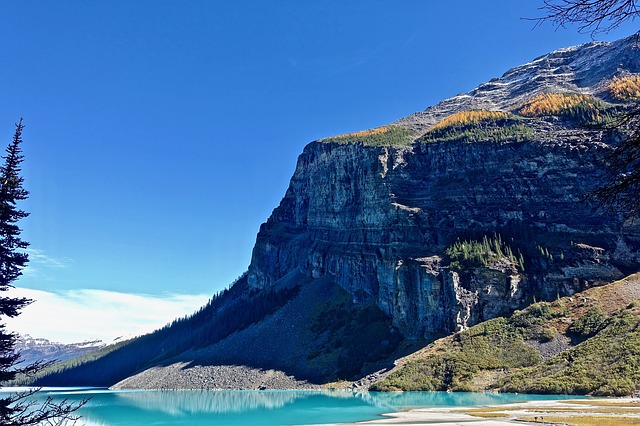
220, 402
216, 402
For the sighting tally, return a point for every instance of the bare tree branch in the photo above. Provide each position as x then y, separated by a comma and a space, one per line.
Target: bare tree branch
620, 192
621, 189
592, 16
28, 411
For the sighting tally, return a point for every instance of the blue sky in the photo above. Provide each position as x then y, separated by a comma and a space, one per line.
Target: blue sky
161, 134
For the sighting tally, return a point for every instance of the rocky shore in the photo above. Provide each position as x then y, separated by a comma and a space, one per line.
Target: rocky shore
220, 377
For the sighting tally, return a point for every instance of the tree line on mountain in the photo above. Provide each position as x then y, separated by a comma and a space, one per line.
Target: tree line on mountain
227, 312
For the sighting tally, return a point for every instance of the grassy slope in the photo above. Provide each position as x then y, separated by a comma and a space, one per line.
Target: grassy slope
601, 329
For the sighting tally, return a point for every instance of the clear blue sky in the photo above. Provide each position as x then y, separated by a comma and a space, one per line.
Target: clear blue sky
161, 134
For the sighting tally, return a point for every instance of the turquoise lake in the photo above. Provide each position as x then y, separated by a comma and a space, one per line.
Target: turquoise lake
194, 408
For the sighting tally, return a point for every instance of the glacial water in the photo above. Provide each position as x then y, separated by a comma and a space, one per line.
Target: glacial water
194, 408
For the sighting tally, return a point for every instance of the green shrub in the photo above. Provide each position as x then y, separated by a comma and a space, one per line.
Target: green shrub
590, 323
606, 364
490, 346
547, 334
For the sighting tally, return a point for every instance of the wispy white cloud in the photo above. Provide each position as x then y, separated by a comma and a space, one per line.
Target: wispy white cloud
87, 314
41, 265
40, 258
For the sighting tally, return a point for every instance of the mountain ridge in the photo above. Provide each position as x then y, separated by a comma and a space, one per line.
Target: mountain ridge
34, 349
568, 69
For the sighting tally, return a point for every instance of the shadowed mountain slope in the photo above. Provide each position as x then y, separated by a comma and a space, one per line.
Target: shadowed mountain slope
309, 332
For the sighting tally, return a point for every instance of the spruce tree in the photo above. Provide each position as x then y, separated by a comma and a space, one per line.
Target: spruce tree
18, 409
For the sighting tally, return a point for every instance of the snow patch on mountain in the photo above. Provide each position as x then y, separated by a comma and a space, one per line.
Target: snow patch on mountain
34, 349
579, 69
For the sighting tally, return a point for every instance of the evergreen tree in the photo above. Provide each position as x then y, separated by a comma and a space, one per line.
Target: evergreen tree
12, 260
18, 409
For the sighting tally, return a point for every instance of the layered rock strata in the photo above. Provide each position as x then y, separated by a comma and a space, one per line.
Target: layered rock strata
377, 219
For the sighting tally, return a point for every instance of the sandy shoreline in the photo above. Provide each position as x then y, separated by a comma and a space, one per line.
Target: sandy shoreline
436, 416
534, 413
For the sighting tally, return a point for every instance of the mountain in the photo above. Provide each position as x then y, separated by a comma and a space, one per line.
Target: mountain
376, 210
38, 349
390, 238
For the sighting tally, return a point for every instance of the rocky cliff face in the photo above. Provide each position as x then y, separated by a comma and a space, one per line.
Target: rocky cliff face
378, 219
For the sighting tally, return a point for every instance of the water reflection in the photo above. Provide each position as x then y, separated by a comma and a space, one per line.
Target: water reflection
216, 402
108, 408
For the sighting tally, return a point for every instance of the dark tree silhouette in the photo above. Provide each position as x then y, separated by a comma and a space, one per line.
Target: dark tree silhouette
591, 16
621, 189
18, 409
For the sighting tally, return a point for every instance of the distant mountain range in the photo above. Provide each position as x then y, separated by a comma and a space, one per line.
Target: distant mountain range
390, 238
38, 349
